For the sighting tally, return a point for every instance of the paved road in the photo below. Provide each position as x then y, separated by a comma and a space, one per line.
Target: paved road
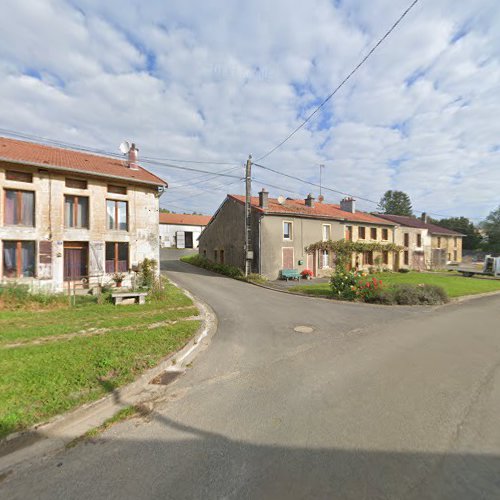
375, 403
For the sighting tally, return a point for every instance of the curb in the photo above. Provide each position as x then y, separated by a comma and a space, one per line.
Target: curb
55, 434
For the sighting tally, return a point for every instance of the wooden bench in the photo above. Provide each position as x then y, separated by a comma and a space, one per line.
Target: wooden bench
139, 297
290, 274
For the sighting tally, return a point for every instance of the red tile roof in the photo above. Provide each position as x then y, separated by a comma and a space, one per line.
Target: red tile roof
404, 220
50, 157
320, 210
184, 219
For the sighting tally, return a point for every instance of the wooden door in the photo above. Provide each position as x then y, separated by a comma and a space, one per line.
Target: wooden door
188, 239
76, 257
287, 258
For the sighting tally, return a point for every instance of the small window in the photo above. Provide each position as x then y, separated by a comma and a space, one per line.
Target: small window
407, 239
14, 175
117, 189
455, 255
385, 257
439, 241
205, 254
18, 259
117, 212
215, 255
385, 234
116, 257
222, 256
76, 183
373, 233
324, 259
368, 258
327, 229
406, 257
455, 241
361, 233
287, 230
19, 208
348, 233
419, 240
76, 211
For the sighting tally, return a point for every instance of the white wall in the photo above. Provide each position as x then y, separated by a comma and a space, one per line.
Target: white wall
168, 234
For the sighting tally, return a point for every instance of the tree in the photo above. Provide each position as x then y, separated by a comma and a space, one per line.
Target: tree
165, 211
463, 225
395, 203
491, 227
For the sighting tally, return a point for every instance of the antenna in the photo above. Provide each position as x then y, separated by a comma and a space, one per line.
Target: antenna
125, 147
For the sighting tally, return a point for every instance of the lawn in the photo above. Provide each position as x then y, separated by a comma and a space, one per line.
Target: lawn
54, 360
454, 283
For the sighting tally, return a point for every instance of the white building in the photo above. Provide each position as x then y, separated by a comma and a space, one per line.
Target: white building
181, 230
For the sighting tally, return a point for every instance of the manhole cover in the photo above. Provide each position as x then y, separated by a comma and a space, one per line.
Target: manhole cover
304, 329
165, 378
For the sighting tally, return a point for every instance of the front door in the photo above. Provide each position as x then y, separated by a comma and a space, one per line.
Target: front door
288, 258
76, 258
188, 239
310, 263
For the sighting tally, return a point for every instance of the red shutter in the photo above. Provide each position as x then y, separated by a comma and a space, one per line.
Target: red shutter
287, 258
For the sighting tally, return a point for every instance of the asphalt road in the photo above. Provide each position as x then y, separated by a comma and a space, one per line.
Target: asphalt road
375, 402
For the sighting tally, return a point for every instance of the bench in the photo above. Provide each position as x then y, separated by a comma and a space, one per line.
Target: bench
139, 297
290, 274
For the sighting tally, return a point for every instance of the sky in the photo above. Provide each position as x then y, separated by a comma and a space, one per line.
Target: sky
217, 80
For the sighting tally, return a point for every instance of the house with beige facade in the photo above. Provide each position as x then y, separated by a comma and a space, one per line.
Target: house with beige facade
282, 229
425, 245
72, 217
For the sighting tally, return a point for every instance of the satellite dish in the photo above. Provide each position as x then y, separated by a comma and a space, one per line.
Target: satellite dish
125, 147
281, 199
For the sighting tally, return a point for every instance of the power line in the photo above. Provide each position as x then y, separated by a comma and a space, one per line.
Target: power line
342, 83
191, 161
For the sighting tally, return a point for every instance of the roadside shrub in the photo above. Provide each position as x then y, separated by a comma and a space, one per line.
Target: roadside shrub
344, 285
18, 296
403, 270
203, 262
381, 296
366, 291
406, 294
147, 273
256, 278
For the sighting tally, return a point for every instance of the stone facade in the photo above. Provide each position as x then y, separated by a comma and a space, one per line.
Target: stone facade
53, 241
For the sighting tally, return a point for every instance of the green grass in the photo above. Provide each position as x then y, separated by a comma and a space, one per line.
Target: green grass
41, 380
454, 283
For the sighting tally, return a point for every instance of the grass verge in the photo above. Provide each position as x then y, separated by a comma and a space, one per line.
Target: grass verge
40, 380
453, 283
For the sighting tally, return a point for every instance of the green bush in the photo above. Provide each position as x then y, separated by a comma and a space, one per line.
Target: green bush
344, 285
19, 296
203, 262
256, 278
409, 295
147, 273
403, 270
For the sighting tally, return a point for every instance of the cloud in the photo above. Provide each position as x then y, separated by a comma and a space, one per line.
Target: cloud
217, 80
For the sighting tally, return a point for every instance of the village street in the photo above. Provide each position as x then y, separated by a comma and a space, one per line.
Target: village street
374, 402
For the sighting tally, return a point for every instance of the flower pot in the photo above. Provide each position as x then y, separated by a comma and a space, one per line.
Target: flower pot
118, 284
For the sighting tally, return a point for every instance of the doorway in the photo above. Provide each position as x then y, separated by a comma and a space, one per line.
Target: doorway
188, 239
76, 259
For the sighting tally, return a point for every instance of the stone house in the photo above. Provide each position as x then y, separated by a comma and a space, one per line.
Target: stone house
181, 230
72, 217
426, 246
283, 228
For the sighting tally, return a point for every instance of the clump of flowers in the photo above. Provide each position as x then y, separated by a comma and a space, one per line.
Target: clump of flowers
306, 273
351, 285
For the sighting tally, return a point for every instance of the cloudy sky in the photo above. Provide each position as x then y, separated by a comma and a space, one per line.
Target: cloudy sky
216, 80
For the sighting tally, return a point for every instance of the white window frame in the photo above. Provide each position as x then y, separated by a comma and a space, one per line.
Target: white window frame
329, 226
291, 230
322, 254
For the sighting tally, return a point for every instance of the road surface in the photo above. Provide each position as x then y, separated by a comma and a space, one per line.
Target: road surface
375, 402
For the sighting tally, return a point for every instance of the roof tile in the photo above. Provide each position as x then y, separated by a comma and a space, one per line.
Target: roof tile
184, 219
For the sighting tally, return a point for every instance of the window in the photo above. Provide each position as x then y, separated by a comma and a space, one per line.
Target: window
373, 233
348, 233
455, 240
116, 257
419, 240
205, 254
324, 259
361, 233
222, 256
327, 229
19, 208
75, 183
385, 234
368, 258
406, 257
407, 239
117, 189
14, 175
18, 259
385, 257
439, 241
76, 211
287, 230
455, 255
215, 255
117, 215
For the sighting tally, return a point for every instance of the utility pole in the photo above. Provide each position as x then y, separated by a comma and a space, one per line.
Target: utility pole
248, 215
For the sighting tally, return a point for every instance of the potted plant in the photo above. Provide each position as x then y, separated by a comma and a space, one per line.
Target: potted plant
118, 279
306, 274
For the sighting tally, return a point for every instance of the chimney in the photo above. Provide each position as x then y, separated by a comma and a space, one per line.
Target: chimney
425, 217
348, 205
132, 157
309, 201
263, 199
